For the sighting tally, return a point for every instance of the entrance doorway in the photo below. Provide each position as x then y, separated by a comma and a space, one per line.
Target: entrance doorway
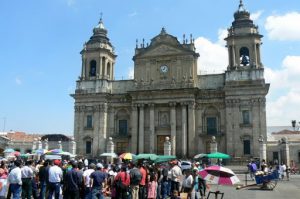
160, 144
121, 147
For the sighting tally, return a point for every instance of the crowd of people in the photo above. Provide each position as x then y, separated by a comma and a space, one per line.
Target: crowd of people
79, 179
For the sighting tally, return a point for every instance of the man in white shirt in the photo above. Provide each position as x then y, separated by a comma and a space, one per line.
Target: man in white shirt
27, 175
15, 181
86, 180
55, 176
175, 176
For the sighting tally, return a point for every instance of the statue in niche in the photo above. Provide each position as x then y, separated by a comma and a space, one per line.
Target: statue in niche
164, 119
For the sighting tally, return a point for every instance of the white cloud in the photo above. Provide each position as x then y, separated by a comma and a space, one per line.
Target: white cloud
131, 73
285, 83
255, 16
284, 28
18, 81
213, 56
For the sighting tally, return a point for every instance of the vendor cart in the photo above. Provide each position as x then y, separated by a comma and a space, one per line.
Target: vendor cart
267, 181
264, 181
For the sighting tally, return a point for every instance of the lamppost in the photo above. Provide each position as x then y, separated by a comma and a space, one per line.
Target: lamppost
295, 126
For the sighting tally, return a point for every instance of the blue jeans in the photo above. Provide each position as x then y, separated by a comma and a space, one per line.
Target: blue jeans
16, 190
43, 185
97, 193
87, 193
54, 188
164, 189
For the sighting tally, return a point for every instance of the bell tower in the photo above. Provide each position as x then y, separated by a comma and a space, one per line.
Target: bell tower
243, 42
98, 56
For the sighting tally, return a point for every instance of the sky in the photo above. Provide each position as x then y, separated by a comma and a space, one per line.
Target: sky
41, 40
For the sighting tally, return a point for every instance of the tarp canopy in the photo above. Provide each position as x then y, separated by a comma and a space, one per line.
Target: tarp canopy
164, 158
218, 155
146, 156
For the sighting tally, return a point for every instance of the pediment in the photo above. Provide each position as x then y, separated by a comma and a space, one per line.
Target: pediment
161, 50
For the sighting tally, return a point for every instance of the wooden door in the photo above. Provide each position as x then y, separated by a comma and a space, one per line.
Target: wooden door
160, 144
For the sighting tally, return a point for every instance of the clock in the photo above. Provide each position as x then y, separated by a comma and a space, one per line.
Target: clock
164, 69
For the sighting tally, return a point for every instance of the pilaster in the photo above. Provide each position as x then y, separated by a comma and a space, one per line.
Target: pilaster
173, 127
134, 128
183, 129
191, 129
141, 129
152, 129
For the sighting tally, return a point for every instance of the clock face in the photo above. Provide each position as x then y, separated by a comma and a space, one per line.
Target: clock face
164, 68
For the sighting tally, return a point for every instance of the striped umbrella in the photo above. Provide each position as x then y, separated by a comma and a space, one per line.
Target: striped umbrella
219, 175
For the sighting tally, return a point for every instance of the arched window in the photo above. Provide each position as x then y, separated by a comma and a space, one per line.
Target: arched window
108, 69
244, 56
93, 65
103, 66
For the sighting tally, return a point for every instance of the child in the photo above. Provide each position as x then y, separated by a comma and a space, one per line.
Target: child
152, 187
175, 195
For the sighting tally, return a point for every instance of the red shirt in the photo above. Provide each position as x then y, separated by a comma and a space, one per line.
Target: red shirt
144, 176
122, 176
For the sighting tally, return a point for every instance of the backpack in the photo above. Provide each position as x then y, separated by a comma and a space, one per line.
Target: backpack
135, 176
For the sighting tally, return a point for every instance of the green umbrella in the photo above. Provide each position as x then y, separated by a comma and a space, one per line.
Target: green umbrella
164, 158
146, 156
218, 155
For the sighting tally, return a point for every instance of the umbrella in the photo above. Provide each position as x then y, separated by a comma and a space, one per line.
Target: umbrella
16, 153
200, 155
54, 151
9, 151
146, 156
126, 156
219, 175
113, 155
41, 151
218, 155
164, 158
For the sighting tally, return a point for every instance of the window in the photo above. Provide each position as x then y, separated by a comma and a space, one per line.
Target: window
244, 56
211, 125
93, 64
122, 127
247, 147
88, 147
89, 121
246, 117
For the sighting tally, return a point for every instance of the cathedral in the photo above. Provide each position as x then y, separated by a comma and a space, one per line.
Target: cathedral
167, 98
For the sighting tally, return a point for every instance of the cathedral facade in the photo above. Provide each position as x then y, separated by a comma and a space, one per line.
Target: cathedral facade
167, 98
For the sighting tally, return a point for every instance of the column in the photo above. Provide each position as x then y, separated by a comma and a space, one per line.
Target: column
100, 67
33, 145
183, 129
97, 124
111, 129
134, 129
40, 145
262, 149
103, 129
173, 127
110, 149
152, 129
141, 129
213, 148
47, 144
191, 133
59, 145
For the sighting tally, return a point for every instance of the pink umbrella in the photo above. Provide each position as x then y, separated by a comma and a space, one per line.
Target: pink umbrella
16, 153
219, 175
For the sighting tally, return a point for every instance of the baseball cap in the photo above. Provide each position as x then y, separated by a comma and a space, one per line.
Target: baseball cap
99, 165
56, 162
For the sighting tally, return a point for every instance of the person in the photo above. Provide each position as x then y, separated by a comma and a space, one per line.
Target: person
3, 180
288, 170
202, 184
142, 185
72, 182
152, 187
253, 169
264, 166
122, 181
55, 177
27, 176
15, 180
195, 184
86, 180
175, 176
187, 184
43, 176
97, 178
175, 195
282, 169
135, 179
